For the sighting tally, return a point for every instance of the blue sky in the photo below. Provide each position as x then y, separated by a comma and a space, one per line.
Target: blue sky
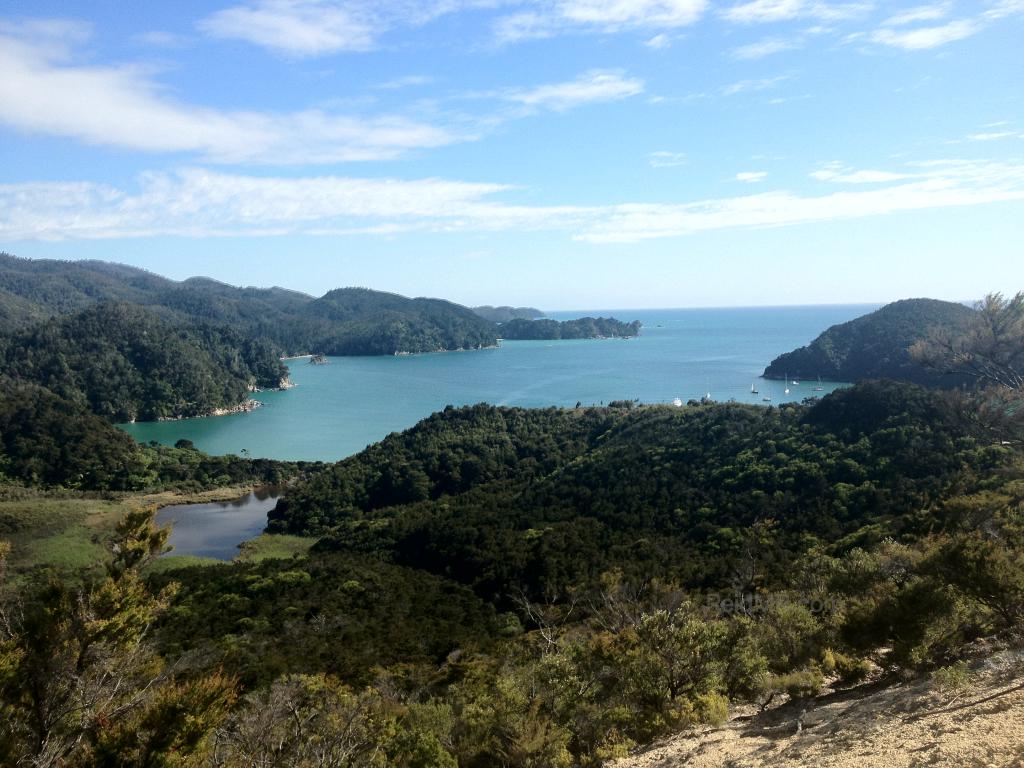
559, 153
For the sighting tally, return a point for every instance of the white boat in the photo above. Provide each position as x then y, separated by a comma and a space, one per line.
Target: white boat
753, 389
819, 388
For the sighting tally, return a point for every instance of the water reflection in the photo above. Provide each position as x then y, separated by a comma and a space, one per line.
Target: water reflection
215, 529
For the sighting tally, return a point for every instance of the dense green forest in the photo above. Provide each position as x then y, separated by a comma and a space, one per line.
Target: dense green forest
581, 328
126, 363
51, 442
348, 321
505, 313
524, 588
877, 345
513, 500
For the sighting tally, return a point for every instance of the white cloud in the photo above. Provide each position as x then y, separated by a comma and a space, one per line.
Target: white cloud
837, 173
763, 48
926, 37
664, 159
204, 203
939, 184
320, 27
632, 13
766, 11
409, 81
759, 84
294, 27
120, 106
993, 135
605, 16
751, 177
659, 42
593, 86
920, 13
923, 38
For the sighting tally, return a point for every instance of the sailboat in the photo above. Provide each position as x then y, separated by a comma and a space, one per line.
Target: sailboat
819, 388
786, 390
753, 389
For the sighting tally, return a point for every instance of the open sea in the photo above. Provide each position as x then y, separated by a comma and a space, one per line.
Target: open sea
338, 409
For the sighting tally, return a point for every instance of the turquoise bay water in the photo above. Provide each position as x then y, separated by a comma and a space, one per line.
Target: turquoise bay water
338, 409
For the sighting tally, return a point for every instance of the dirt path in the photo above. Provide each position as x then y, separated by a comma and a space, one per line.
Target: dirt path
906, 725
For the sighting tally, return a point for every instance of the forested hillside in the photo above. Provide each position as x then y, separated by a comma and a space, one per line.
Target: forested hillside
510, 499
125, 363
581, 328
504, 313
877, 345
343, 322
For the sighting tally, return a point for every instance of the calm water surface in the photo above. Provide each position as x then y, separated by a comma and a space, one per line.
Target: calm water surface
338, 409
217, 528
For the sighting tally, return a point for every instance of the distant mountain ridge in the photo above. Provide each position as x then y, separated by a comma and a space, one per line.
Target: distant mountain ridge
347, 321
876, 345
505, 313
580, 328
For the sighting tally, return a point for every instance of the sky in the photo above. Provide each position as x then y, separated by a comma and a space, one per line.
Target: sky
564, 154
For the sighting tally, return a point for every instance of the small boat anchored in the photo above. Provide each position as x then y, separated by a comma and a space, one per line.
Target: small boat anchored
753, 389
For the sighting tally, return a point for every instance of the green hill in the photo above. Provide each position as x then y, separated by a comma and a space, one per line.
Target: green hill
876, 345
504, 313
581, 328
126, 363
504, 499
343, 322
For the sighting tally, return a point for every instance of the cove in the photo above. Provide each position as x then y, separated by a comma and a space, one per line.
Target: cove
338, 409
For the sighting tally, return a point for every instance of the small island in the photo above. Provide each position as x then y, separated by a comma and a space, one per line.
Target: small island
582, 328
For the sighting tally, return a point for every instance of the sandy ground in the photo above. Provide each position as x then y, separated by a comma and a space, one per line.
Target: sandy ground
873, 726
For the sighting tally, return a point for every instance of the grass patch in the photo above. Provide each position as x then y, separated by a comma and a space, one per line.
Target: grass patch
171, 563
269, 546
62, 533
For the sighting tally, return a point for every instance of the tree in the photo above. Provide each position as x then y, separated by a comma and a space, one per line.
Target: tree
991, 351
80, 683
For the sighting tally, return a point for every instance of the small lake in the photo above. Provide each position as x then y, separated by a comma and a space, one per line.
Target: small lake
215, 529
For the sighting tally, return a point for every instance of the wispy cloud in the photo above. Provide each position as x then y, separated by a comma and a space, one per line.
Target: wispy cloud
839, 174
897, 32
751, 177
767, 11
593, 86
665, 159
121, 106
600, 16
919, 13
204, 203
757, 84
924, 38
303, 28
294, 27
994, 135
763, 48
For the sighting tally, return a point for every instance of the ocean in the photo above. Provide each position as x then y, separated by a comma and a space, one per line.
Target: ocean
338, 409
